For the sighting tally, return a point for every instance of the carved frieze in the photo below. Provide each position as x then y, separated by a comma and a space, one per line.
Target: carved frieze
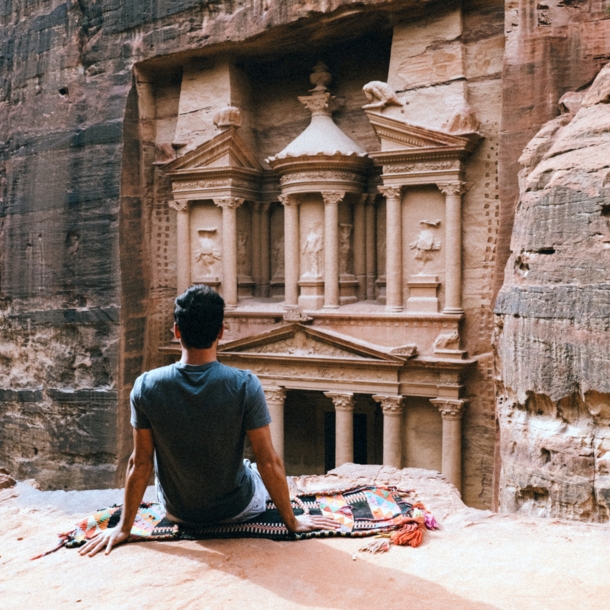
422, 166
302, 345
408, 351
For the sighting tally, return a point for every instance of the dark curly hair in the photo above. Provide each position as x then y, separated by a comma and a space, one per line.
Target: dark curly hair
199, 313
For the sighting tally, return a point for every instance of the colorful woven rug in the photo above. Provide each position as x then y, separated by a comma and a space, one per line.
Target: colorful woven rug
360, 511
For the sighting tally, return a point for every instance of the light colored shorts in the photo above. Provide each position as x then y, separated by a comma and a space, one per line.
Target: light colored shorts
256, 506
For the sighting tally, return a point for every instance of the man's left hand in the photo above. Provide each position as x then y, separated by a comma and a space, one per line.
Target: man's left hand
312, 523
108, 539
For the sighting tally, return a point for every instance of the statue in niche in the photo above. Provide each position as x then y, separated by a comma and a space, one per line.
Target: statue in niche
207, 254
312, 251
277, 259
345, 248
426, 243
242, 253
380, 95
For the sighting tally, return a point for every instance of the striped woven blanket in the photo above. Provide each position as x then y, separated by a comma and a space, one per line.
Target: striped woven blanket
362, 511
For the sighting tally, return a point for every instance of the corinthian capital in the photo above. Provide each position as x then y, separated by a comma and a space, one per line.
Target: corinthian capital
275, 395
288, 200
452, 188
450, 409
332, 197
390, 192
342, 402
390, 405
232, 203
179, 206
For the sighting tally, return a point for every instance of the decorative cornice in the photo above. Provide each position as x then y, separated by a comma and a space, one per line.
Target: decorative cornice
390, 405
231, 203
452, 188
179, 206
449, 409
342, 402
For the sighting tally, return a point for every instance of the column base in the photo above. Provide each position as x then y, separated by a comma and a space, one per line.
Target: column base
312, 294
209, 280
245, 287
394, 308
422, 294
348, 285
454, 311
276, 288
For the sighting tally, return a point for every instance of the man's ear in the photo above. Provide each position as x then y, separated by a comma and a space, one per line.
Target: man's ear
222, 332
177, 334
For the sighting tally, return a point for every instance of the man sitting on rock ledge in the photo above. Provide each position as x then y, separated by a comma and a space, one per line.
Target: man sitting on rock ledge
190, 421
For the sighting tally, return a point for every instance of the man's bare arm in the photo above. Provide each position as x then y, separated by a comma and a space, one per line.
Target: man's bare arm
139, 469
272, 471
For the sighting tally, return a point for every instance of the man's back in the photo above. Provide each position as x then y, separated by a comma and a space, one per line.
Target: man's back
199, 416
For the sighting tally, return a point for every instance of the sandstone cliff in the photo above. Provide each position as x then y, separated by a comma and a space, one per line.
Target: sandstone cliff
554, 317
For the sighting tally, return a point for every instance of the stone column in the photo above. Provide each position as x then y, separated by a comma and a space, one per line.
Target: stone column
291, 250
183, 244
451, 412
393, 270
255, 224
344, 426
229, 207
392, 407
331, 248
275, 397
371, 247
360, 246
453, 245
265, 242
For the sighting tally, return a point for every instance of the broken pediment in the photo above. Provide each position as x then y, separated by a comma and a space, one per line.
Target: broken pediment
400, 135
303, 342
221, 167
226, 150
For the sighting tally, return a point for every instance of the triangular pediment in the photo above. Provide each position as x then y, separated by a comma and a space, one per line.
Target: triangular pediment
395, 134
226, 150
304, 342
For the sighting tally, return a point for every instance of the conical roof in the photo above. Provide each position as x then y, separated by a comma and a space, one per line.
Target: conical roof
322, 136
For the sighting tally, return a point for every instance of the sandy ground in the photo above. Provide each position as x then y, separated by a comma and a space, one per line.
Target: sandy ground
479, 560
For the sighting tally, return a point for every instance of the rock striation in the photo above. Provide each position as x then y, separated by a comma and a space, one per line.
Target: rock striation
553, 319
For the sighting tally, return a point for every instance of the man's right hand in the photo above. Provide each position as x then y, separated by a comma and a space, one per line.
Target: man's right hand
312, 523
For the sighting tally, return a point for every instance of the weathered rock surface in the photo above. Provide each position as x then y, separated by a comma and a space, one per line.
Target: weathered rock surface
6, 480
552, 47
478, 560
553, 322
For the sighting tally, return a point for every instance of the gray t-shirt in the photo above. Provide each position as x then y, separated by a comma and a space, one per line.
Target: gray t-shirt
199, 416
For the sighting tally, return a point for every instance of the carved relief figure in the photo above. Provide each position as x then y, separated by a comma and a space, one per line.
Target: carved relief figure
277, 259
312, 254
379, 95
345, 248
207, 254
242, 253
426, 243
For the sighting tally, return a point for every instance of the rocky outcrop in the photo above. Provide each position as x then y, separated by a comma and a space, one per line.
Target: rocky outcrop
553, 318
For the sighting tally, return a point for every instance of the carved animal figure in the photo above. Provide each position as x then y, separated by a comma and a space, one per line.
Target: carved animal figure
379, 95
